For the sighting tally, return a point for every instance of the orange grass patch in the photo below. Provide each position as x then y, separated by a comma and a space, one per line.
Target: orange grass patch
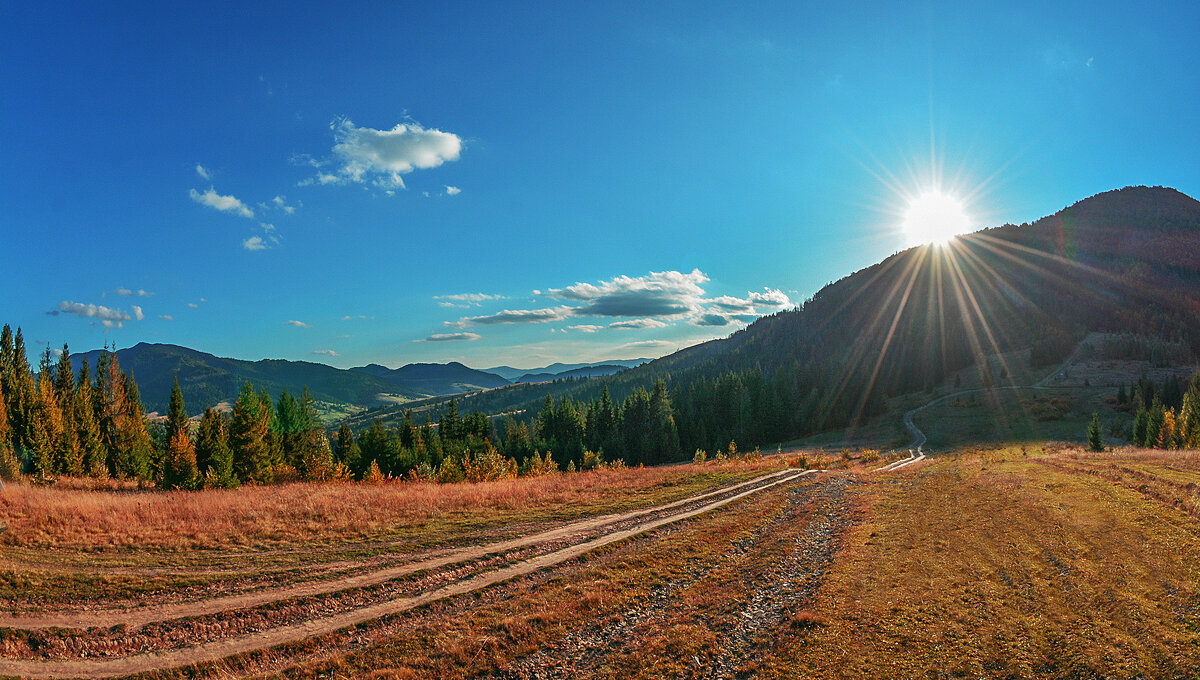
49, 517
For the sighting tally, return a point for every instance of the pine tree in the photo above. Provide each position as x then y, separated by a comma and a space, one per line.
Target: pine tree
87, 427
67, 451
135, 436
1166, 431
10, 467
21, 398
179, 464
1095, 436
47, 426
1188, 426
214, 460
274, 431
249, 438
347, 452
179, 456
177, 418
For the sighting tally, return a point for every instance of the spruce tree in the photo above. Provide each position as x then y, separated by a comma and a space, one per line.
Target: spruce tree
179, 464
21, 399
177, 418
87, 427
10, 467
141, 455
47, 423
214, 460
348, 453
1095, 437
249, 438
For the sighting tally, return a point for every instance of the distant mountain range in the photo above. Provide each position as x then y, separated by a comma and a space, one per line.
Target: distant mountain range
559, 370
207, 380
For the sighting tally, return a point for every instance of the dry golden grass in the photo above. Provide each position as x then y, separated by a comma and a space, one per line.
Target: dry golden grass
84, 520
1011, 563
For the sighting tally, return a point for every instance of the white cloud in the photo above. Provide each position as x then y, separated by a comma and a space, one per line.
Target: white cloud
223, 203
452, 191
281, 203
255, 243
657, 294
585, 328
450, 337
637, 323
203, 171
193, 305
382, 156
465, 299
514, 316
140, 292
166, 317
349, 317
326, 352
771, 297
297, 324
110, 317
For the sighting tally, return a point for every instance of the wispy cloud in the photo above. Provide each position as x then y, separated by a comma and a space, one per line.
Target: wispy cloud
585, 328
465, 299
166, 317
203, 171
297, 324
325, 352
637, 323
450, 337
380, 157
452, 191
514, 316
281, 203
126, 292
216, 201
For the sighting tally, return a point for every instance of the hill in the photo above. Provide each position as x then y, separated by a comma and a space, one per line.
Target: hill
1122, 261
558, 368
207, 380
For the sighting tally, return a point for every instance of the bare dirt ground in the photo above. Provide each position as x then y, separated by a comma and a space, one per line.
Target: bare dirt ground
77, 659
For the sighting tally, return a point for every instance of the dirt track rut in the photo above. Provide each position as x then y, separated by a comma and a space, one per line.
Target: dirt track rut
99, 668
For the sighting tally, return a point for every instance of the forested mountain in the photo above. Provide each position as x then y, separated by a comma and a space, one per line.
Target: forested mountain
207, 380
1125, 260
448, 378
583, 372
560, 370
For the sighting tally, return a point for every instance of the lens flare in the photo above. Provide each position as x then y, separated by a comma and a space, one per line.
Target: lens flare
935, 218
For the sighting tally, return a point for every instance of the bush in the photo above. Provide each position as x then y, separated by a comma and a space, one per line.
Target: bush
700, 457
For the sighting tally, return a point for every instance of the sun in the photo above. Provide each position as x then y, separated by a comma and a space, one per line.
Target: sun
934, 218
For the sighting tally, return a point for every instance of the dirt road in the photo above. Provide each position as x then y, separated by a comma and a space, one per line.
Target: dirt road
109, 667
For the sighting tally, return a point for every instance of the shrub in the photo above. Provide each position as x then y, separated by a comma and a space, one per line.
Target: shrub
700, 457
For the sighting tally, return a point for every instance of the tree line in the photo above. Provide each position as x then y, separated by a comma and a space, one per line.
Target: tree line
56, 423
1165, 415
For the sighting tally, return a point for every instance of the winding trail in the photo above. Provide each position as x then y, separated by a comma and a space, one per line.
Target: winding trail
916, 449
212, 651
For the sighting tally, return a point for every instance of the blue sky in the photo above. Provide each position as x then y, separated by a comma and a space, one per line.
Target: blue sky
519, 184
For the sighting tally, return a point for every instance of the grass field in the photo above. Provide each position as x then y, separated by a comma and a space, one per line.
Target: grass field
1010, 561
